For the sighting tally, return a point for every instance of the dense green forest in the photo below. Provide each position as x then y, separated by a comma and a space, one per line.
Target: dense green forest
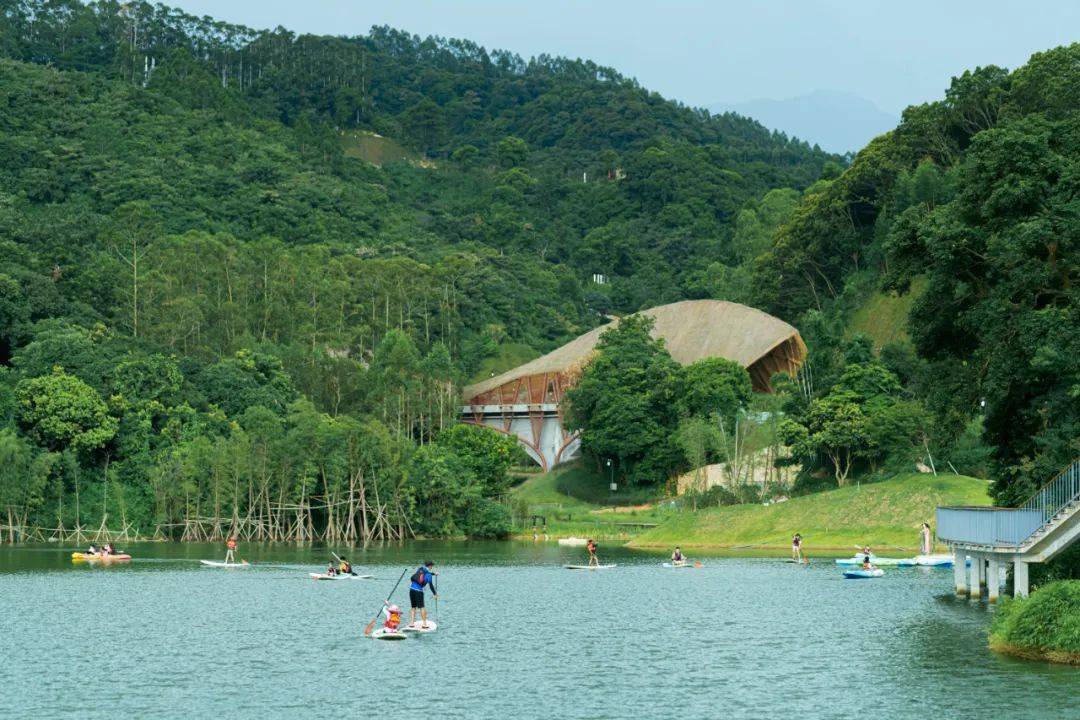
218, 313
214, 315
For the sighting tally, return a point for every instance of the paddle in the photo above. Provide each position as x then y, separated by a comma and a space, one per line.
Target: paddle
371, 625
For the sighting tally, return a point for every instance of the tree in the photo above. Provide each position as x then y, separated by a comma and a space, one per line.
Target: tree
60, 411
625, 404
715, 387
487, 453
135, 229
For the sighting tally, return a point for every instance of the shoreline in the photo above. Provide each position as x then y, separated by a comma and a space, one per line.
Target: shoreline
1059, 657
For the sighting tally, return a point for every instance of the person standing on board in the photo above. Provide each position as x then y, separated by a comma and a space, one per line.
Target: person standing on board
230, 550
424, 575
796, 548
925, 538
592, 547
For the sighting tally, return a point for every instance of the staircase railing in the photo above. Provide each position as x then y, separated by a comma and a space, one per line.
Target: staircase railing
1010, 526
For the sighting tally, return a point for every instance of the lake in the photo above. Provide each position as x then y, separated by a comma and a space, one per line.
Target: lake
518, 637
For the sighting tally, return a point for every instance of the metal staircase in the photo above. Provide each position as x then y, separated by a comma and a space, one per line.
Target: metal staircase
1023, 530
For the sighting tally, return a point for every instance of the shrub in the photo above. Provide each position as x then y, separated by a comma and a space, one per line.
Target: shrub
1047, 624
486, 520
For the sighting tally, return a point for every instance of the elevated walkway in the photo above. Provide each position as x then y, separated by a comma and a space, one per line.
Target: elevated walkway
991, 537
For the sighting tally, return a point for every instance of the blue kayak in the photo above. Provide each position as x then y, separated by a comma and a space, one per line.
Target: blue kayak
858, 574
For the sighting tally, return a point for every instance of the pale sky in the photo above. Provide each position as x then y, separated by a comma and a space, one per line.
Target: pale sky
892, 53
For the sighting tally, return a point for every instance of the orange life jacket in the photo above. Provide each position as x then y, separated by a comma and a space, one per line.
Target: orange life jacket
231, 544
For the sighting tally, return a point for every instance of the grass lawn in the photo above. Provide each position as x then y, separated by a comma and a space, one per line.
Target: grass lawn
883, 316
375, 149
507, 357
884, 515
575, 502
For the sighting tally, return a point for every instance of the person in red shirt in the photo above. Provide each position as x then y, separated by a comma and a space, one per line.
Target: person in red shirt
230, 550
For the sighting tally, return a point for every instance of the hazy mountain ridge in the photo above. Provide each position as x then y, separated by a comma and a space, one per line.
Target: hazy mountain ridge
836, 121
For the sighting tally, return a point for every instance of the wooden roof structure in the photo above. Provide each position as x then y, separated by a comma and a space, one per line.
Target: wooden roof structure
692, 330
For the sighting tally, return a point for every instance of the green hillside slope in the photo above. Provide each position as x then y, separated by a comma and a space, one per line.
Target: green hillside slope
885, 515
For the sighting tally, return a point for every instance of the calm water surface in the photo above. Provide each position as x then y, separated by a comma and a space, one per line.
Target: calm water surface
519, 637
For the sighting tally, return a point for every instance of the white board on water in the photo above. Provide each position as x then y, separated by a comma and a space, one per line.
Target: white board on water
324, 576
420, 627
218, 563
385, 634
589, 567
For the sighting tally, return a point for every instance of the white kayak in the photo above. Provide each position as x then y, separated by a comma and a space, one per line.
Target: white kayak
857, 574
385, 633
324, 576
589, 567
421, 628
679, 565
219, 564
940, 560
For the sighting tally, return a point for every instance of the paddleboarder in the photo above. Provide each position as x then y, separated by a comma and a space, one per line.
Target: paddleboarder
345, 568
424, 576
393, 617
677, 558
796, 548
592, 547
230, 550
926, 538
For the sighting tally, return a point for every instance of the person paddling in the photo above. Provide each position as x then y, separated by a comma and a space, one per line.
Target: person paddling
424, 576
592, 547
866, 559
677, 558
345, 568
796, 548
230, 550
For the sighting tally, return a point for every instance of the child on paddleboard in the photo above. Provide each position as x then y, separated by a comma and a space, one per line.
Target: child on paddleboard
592, 547
796, 548
393, 617
230, 550
677, 557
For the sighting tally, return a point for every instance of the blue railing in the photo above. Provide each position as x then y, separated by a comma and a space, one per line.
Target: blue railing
1010, 526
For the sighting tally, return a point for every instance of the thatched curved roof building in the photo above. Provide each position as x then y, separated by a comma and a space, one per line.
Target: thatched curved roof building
692, 330
525, 402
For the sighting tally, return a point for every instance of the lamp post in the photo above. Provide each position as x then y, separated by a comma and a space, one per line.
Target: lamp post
611, 475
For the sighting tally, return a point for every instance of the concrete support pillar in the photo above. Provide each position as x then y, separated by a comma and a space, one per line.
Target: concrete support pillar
975, 577
993, 578
959, 571
1020, 578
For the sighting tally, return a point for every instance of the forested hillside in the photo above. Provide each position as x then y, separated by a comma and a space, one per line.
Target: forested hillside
212, 316
972, 202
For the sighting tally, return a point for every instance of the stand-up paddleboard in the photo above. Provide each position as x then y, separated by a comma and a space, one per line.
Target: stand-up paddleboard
589, 567
219, 564
934, 560
680, 566
420, 628
385, 633
859, 574
346, 576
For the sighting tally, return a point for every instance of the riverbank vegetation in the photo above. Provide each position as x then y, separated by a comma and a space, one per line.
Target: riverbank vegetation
1043, 626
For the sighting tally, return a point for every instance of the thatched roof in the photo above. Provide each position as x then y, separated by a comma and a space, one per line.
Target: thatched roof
692, 330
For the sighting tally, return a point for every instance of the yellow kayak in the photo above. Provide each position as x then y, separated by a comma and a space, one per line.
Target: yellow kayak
87, 557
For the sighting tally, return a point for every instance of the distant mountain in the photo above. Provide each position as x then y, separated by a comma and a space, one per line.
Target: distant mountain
837, 121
